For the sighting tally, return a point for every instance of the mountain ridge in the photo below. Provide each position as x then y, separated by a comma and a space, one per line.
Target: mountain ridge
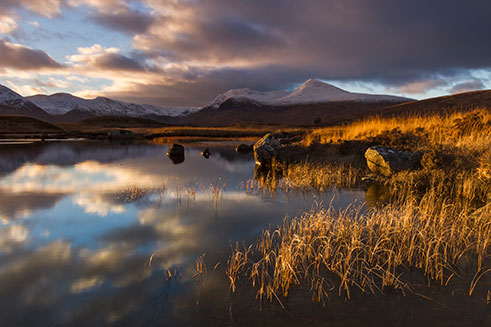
310, 92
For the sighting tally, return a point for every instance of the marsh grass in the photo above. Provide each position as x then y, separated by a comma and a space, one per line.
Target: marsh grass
377, 250
435, 229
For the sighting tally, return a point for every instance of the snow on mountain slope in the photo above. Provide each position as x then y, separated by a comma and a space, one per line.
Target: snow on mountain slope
11, 98
61, 103
315, 91
312, 91
258, 96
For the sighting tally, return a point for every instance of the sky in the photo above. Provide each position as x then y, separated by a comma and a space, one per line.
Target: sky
185, 52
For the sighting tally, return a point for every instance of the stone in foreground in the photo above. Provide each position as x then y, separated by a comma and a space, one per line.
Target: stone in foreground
386, 161
266, 149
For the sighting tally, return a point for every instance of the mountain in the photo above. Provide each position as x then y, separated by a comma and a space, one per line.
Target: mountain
312, 101
63, 103
311, 92
12, 103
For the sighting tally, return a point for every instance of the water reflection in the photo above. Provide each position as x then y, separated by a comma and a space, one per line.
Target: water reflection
80, 220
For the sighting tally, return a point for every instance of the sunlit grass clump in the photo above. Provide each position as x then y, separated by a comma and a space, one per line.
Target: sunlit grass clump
338, 252
434, 229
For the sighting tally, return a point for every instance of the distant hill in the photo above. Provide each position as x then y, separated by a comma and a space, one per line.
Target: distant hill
25, 125
112, 122
64, 105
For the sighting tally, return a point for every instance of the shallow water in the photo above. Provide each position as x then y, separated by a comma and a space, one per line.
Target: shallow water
80, 220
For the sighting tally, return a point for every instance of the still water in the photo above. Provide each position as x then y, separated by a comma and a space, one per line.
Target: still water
105, 234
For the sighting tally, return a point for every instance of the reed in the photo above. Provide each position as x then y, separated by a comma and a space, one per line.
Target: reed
436, 227
337, 252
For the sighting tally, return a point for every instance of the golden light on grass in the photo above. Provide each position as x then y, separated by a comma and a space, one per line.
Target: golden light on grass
436, 227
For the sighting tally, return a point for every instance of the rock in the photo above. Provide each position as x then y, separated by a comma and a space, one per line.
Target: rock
435, 159
387, 161
176, 159
266, 149
205, 153
175, 150
244, 148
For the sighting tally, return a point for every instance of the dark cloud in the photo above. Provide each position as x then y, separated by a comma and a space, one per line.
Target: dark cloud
24, 58
467, 86
114, 61
381, 41
126, 21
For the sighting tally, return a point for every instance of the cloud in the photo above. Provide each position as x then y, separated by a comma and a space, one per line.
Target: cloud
186, 52
7, 25
99, 57
21, 57
467, 86
419, 87
47, 8
206, 48
125, 20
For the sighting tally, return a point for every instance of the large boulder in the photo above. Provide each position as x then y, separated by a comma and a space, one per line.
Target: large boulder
386, 161
176, 150
266, 149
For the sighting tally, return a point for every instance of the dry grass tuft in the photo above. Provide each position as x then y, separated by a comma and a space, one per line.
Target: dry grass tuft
436, 227
372, 251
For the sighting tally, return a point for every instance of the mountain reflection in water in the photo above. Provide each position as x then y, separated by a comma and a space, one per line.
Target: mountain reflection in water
80, 221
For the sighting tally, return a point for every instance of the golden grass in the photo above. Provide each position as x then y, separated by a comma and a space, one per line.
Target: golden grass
437, 225
461, 130
380, 249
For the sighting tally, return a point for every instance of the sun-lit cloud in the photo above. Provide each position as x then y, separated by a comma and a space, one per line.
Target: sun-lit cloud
7, 24
419, 87
182, 52
47, 8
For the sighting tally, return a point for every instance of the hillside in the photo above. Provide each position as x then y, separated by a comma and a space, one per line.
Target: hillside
461, 102
25, 125
112, 122
239, 110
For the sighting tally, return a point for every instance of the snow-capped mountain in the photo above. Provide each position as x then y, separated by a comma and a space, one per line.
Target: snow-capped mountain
12, 103
62, 103
11, 98
312, 91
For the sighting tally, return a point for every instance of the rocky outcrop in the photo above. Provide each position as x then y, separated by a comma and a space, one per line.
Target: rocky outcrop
386, 161
266, 149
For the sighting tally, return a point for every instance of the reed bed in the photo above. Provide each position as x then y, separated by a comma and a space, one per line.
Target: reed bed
337, 252
436, 227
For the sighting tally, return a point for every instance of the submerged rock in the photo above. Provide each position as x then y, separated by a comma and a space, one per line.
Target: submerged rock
266, 149
387, 161
244, 148
205, 153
